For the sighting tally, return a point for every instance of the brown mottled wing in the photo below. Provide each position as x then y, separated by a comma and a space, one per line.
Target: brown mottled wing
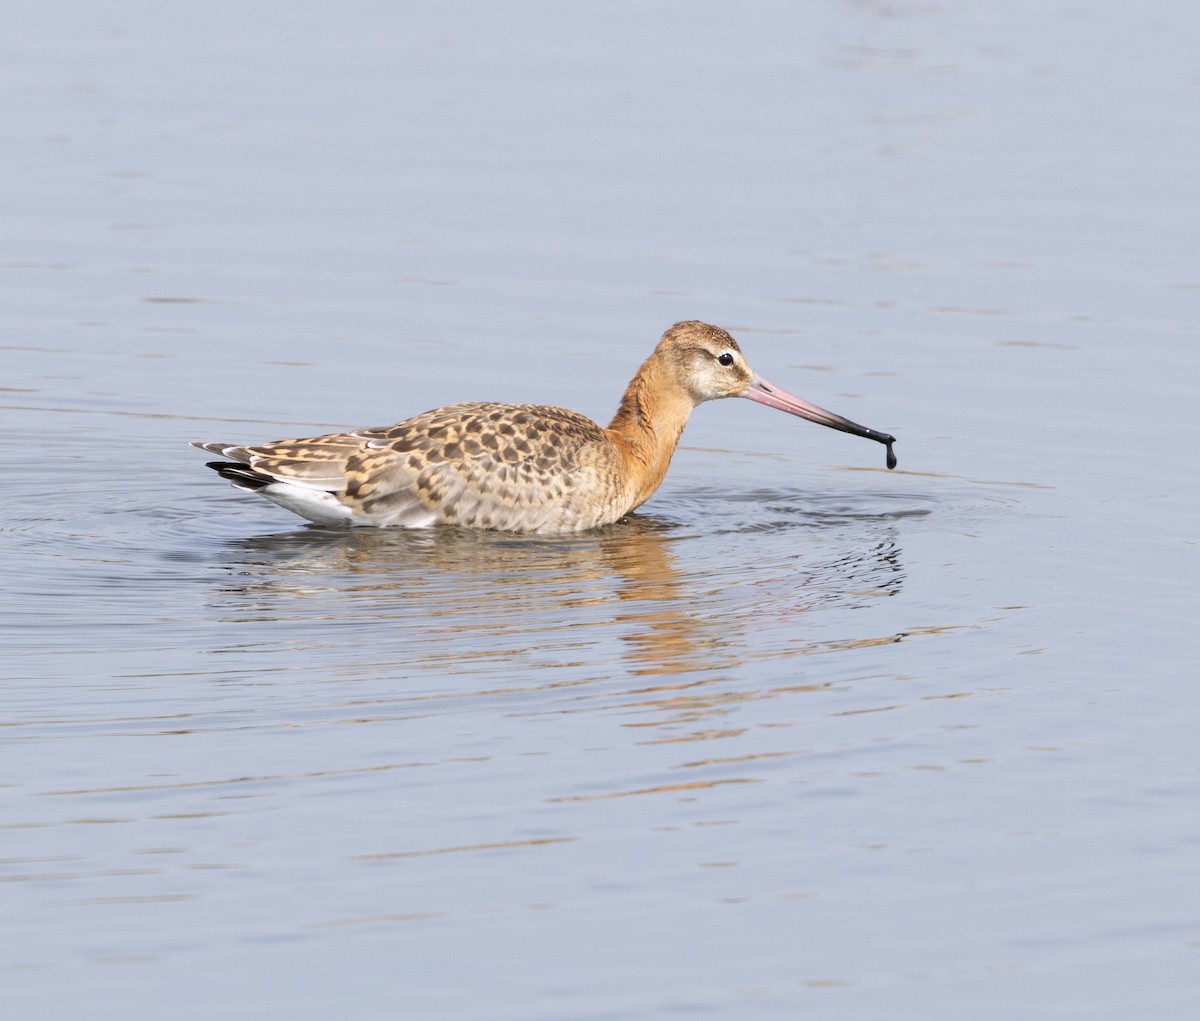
513, 467
518, 467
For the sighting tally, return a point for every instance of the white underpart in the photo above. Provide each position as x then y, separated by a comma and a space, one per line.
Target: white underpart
317, 505
324, 508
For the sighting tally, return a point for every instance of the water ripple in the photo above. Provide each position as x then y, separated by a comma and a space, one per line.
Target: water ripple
179, 579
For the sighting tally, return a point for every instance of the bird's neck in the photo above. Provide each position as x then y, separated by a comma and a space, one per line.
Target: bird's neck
647, 427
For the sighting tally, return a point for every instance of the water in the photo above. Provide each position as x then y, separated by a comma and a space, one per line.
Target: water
802, 738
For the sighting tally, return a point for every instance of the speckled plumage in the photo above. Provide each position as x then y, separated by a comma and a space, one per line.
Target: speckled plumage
523, 467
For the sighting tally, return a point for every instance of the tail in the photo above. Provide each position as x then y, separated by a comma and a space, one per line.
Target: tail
241, 476
308, 499
236, 471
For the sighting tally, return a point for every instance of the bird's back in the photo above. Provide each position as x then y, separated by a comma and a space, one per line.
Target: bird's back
530, 468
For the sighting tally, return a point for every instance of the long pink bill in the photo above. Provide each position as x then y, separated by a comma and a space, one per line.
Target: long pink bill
758, 389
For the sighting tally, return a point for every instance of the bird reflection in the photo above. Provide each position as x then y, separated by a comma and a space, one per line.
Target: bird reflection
659, 596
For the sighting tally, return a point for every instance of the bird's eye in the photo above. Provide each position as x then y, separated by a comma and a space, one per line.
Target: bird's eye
725, 358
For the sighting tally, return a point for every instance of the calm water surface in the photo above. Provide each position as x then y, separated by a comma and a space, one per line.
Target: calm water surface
804, 737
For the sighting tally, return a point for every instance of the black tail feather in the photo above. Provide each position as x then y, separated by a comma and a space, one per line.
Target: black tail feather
241, 475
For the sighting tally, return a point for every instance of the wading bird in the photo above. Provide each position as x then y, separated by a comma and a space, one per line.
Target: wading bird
515, 467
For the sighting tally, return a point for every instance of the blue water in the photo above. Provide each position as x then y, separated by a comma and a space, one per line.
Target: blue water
805, 737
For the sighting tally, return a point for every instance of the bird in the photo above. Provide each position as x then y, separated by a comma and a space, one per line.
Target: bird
515, 467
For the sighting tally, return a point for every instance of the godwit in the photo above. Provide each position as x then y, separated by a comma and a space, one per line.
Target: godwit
515, 467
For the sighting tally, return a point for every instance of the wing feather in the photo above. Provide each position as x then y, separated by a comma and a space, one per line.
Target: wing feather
512, 467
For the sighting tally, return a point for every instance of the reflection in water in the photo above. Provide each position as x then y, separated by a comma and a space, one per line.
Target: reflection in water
659, 596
